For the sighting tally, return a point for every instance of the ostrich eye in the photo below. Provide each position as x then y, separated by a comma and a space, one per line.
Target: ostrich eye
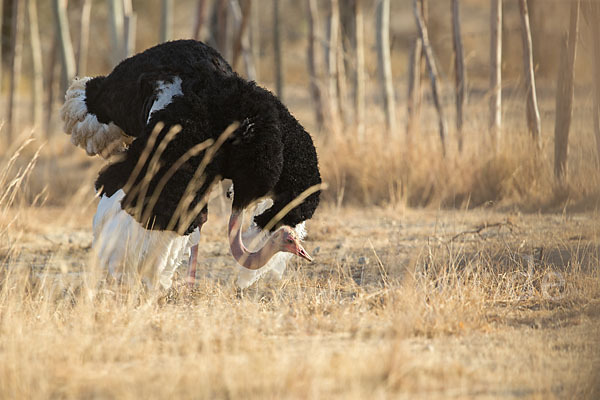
289, 240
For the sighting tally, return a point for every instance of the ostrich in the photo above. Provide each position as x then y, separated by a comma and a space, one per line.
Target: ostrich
162, 113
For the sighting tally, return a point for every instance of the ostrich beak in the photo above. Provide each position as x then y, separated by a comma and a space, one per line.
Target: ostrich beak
302, 253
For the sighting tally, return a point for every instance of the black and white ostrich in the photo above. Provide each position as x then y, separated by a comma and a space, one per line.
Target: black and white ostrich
153, 196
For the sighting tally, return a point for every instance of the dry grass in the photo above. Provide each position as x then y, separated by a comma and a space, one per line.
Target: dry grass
389, 171
432, 303
426, 304
424, 307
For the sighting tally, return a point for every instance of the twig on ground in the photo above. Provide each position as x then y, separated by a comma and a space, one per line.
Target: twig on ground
507, 223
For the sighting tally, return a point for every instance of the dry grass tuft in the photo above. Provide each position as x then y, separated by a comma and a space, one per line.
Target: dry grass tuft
388, 171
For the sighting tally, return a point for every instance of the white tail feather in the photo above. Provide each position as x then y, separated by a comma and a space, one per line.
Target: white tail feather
85, 129
126, 249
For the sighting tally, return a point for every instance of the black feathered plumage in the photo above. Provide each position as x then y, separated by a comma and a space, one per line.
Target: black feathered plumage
269, 154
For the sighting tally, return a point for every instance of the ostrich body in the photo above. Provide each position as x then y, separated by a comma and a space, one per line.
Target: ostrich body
188, 86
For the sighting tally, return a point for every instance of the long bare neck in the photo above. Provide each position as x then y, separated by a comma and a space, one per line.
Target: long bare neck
245, 257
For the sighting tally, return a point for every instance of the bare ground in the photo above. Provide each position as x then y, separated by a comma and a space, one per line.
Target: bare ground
401, 303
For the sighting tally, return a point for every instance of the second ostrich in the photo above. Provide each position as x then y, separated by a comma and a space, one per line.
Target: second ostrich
163, 113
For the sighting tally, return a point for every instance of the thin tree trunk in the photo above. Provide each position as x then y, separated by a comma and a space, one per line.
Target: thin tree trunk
1, 19
239, 25
341, 88
247, 51
254, 37
496, 73
116, 29
313, 62
564, 94
459, 70
333, 26
199, 19
37, 87
241, 45
84, 35
129, 32
385, 64
277, 49
16, 45
166, 21
433, 74
416, 68
533, 114
129, 29
64, 40
593, 12
222, 22
413, 103
538, 21
50, 83
359, 95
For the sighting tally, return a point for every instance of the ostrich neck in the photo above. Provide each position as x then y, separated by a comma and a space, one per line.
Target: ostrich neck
245, 257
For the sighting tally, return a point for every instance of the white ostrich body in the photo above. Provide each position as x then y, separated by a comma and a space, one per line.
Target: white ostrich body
255, 238
126, 248
165, 91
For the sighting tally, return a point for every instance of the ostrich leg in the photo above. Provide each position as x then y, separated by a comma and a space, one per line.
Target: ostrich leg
193, 264
191, 278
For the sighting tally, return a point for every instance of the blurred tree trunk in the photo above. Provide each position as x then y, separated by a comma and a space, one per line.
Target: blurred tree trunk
64, 41
241, 44
496, 73
199, 19
333, 29
277, 50
433, 74
129, 29
359, 84
166, 21
16, 45
1, 46
415, 68
37, 86
221, 28
533, 114
347, 10
115, 9
413, 103
254, 37
538, 19
51, 83
564, 94
592, 14
84, 36
341, 88
459, 71
385, 64
247, 53
314, 63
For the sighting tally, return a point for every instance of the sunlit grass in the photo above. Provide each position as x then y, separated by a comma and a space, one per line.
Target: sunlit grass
399, 303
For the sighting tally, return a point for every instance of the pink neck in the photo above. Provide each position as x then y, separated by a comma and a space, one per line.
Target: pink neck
245, 257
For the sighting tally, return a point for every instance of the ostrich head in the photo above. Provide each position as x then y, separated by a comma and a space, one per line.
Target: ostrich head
284, 239
289, 242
